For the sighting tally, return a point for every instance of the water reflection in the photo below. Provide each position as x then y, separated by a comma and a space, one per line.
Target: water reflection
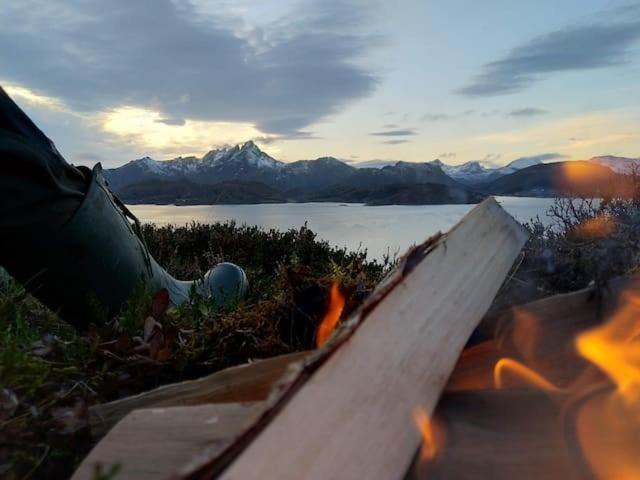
390, 228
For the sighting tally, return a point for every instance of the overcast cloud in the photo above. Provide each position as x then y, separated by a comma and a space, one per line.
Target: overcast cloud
164, 56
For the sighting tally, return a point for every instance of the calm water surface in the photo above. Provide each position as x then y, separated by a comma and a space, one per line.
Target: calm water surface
380, 230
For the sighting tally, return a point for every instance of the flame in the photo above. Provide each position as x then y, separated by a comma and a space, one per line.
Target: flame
594, 406
615, 348
423, 422
608, 423
521, 372
596, 227
331, 318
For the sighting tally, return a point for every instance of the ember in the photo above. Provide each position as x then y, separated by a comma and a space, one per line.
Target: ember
331, 318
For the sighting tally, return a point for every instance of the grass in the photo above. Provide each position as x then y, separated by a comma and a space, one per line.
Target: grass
50, 374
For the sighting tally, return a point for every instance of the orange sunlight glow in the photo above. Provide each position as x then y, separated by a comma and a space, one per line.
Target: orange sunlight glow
596, 227
331, 318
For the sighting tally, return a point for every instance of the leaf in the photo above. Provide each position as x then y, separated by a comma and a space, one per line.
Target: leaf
160, 303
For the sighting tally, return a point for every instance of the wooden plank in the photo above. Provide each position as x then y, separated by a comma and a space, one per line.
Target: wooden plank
244, 383
499, 435
354, 417
151, 443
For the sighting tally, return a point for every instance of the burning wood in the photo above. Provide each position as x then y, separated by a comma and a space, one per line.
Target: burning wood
565, 398
351, 418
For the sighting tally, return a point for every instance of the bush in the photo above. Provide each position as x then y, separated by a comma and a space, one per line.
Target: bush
589, 241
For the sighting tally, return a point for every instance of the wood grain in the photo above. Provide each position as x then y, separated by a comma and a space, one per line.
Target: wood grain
152, 443
244, 383
354, 417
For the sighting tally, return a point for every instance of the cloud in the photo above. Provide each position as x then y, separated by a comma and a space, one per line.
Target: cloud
543, 157
447, 155
404, 132
575, 48
526, 112
491, 157
142, 127
96, 56
89, 157
434, 117
179, 122
36, 99
394, 142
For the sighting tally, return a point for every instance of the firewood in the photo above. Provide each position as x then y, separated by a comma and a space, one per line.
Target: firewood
348, 411
243, 383
150, 443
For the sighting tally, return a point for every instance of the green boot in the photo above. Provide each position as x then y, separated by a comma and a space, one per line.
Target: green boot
99, 257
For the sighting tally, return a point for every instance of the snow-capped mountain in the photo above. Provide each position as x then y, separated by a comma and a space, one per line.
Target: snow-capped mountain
244, 173
244, 161
474, 172
618, 164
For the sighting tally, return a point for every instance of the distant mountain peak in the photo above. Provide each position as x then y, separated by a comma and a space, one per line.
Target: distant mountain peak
618, 164
250, 145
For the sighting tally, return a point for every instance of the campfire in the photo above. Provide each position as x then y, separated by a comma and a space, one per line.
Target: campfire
548, 389
574, 383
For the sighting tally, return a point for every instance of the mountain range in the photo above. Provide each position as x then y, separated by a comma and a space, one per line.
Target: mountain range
245, 174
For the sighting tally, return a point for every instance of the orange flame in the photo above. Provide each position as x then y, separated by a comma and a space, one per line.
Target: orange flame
521, 372
615, 348
331, 318
608, 424
423, 422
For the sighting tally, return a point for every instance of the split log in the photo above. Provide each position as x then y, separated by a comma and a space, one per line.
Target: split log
354, 417
243, 383
148, 444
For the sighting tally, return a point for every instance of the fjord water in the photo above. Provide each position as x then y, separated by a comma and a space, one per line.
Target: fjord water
391, 228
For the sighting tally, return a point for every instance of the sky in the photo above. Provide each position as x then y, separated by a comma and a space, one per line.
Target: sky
360, 80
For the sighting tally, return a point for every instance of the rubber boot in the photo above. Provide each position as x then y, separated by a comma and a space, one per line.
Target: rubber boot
97, 259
